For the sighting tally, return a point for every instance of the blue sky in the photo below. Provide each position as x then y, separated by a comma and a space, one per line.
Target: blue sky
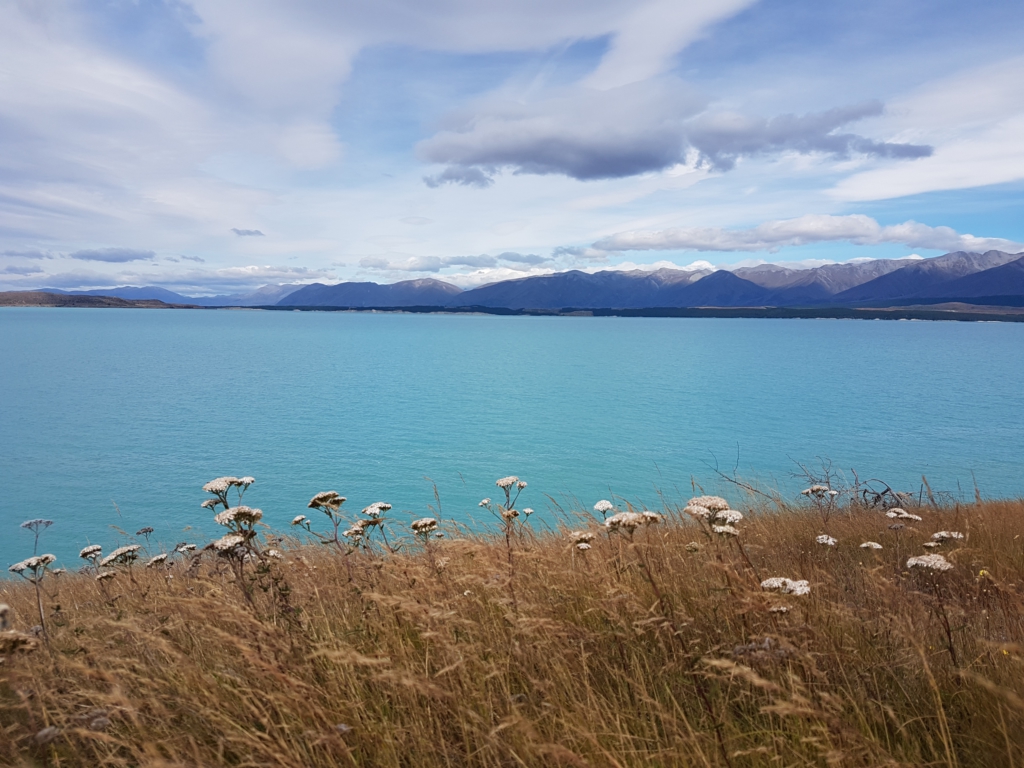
220, 145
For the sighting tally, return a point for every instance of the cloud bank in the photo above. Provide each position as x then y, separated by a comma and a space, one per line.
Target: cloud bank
804, 230
508, 260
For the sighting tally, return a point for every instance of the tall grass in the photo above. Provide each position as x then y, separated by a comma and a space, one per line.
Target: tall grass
657, 647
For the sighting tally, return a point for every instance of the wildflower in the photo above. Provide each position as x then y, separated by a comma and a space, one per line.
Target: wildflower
38, 524
947, 535
298, 520
506, 483
521, 484
931, 562
696, 510
650, 518
484, 502
276, 554
712, 503
228, 542
897, 527
438, 535
121, 555
729, 517
581, 537
583, 546
144, 531
527, 511
90, 552
779, 609
817, 491
424, 525
245, 482
870, 545
239, 514
106, 575
902, 514
210, 504
375, 509
786, 586
833, 493
220, 485
693, 546
725, 530
353, 533
604, 506
624, 520
509, 514
828, 541
59, 571
156, 560
327, 500
931, 544
182, 548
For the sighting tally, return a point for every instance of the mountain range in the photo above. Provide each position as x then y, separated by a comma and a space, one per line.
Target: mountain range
994, 278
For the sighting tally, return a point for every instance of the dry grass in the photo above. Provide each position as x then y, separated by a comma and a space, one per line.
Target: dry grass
633, 653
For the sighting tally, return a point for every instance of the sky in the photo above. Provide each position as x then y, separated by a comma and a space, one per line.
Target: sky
215, 146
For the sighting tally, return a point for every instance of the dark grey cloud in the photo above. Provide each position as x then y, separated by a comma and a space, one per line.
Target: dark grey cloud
483, 260
635, 129
113, 255
723, 138
196, 259
28, 254
15, 269
522, 258
466, 176
247, 232
437, 263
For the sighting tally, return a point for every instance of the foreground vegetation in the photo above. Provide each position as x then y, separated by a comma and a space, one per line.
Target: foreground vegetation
660, 639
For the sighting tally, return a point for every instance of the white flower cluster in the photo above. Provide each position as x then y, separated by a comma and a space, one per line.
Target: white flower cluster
901, 514
484, 502
228, 542
327, 500
183, 548
121, 555
90, 552
725, 530
930, 562
298, 520
728, 517
32, 563
827, 541
947, 536
786, 586
240, 514
819, 492
581, 537
156, 560
696, 510
710, 503
506, 483
375, 509
221, 485
604, 506
870, 545
424, 525
625, 521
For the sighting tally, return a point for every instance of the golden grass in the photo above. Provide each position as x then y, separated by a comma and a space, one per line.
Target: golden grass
634, 653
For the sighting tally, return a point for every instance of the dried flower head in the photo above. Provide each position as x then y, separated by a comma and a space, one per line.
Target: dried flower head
696, 510
786, 586
298, 520
220, 485
424, 525
521, 484
930, 562
779, 609
817, 491
327, 500
156, 560
375, 509
604, 506
581, 537
728, 517
870, 545
106, 575
39, 524
182, 548
509, 514
932, 544
527, 511
693, 546
210, 504
826, 540
90, 552
121, 555
228, 542
245, 482
897, 527
624, 521
240, 514
902, 514
947, 536
725, 530
144, 531
650, 518
355, 533
506, 483
484, 502
582, 546
275, 554
712, 503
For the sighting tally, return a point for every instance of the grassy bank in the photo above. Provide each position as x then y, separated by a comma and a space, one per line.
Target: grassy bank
658, 645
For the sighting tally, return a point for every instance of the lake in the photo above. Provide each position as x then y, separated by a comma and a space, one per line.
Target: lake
114, 419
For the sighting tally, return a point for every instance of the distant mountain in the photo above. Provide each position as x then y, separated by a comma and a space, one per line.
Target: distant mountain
267, 295
1006, 280
799, 286
923, 276
408, 293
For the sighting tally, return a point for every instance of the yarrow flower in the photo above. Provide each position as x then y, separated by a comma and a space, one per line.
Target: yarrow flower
725, 530
870, 545
527, 511
220, 485
696, 510
375, 509
728, 517
156, 560
182, 548
930, 562
582, 546
931, 544
779, 609
828, 541
509, 514
210, 504
506, 483
817, 491
711, 503
424, 525
327, 500
650, 518
121, 555
90, 552
902, 514
274, 553
298, 520
693, 546
484, 502
581, 537
604, 506
228, 542
239, 514
106, 575
947, 535
628, 521
521, 484
144, 531
32, 563
786, 586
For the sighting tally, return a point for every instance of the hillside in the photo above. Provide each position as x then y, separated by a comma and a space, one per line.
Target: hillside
43, 299
427, 292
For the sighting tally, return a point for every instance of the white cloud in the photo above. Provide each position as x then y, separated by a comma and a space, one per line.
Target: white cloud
812, 228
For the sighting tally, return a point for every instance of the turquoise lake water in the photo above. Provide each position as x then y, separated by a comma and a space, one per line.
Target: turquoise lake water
139, 408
